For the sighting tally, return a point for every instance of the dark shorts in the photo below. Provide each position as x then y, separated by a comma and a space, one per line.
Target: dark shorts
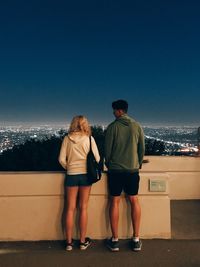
77, 180
123, 181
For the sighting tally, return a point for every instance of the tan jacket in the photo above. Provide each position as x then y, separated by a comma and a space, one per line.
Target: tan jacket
73, 153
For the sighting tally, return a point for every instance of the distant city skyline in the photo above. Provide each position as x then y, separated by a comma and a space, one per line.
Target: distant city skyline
59, 59
66, 124
175, 138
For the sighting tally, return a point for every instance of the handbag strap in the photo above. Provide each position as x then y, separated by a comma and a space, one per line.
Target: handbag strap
90, 143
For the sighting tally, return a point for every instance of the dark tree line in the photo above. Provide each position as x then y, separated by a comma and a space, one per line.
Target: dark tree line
32, 156
154, 147
43, 155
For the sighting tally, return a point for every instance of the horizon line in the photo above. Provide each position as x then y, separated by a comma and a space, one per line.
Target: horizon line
66, 124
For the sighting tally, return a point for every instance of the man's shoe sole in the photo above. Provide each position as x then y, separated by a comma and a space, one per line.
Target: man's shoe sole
113, 249
137, 249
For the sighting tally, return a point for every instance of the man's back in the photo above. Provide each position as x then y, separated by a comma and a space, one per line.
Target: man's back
124, 145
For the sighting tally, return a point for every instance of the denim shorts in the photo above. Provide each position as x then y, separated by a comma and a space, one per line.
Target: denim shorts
77, 180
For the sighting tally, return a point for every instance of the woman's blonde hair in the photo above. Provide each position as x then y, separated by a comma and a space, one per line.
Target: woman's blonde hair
80, 124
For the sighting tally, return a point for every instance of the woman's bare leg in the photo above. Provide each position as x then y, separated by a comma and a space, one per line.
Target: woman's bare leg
71, 197
84, 193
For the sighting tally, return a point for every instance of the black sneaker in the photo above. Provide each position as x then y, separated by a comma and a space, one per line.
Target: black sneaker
113, 245
86, 244
136, 245
69, 246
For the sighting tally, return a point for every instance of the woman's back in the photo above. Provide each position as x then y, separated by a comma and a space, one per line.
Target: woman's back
74, 150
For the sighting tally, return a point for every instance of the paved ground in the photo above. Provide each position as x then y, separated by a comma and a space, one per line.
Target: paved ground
155, 253
185, 219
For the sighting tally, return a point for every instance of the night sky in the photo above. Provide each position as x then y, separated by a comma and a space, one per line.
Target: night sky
63, 58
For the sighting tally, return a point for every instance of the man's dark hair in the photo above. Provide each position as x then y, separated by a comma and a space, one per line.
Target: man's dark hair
120, 104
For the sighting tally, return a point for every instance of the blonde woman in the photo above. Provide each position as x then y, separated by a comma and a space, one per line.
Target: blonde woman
73, 154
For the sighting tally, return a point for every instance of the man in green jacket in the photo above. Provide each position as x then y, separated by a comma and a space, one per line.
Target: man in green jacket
124, 151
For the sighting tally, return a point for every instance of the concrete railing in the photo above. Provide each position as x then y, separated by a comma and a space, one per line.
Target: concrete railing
183, 175
32, 203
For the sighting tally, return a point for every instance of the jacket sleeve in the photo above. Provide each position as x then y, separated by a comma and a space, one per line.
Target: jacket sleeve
95, 149
63, 154
109, 138
141, 146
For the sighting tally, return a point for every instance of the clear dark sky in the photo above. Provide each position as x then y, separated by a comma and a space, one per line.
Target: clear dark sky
63, 58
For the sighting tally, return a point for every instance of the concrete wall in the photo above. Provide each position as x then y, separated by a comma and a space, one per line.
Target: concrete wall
31, 203
183, 173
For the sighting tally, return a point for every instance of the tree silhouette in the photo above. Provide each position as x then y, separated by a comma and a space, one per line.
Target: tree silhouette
154, 147
43, 155
32, 156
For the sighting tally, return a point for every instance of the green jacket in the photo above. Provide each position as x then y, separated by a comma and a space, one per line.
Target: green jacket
124, 145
